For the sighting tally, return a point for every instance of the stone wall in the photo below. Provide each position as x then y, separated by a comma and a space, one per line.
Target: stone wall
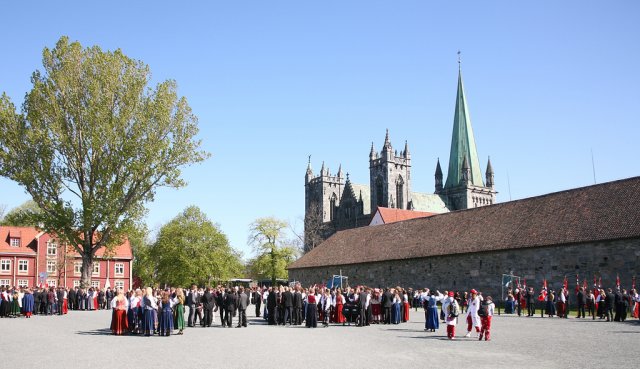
484, 270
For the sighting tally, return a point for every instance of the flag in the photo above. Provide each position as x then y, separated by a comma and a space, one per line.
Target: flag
524, 283
618, 280
599, 282
584, 284
565, 283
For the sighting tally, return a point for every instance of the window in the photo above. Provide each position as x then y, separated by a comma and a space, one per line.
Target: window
96, 268
51, 282
400, 192
4, 282
332, 207
119, 284
77, 268
379, 193
23, 283
15, 242
5, 266
51, 266
23, 266
52, 248
95, 284
119, 269
76, 283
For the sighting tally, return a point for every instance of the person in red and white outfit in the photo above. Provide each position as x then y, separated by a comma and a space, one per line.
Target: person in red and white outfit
473, 320
452, 309
487, 308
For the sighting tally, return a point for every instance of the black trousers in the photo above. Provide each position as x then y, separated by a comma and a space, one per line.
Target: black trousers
271, 312
242, 318
609, 313
258, 304
223, 317
208, 313
387, 315
192, 315
591, 308
363, 316
531, 309
297, 315
60, 303
288, 316
229, 317
581, 311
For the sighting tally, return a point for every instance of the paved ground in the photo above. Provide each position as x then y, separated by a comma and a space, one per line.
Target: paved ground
516, 342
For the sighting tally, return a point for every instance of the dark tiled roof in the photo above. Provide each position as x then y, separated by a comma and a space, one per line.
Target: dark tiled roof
601, 212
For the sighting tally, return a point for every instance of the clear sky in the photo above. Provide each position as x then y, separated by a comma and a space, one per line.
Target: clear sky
272, 82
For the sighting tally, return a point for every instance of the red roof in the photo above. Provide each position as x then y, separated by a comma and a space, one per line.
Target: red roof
27, 236
390, 215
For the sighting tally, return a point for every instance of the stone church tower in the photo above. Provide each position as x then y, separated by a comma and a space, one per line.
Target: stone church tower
333, 203
464, 187
390, 177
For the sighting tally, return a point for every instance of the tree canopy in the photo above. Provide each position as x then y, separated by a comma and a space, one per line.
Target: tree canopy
93, 142
21, 216
191, 249
273, 251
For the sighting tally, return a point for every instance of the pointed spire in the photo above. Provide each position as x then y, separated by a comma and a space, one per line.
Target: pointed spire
309, 173
465, 171
387, 143
463, 145
438, 177
322, 170
489, 174
372, 154
340, 171
406, 149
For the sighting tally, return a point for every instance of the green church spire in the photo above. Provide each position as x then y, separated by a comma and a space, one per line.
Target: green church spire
463, 144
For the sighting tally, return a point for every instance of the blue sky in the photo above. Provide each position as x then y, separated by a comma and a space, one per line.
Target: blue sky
272, 82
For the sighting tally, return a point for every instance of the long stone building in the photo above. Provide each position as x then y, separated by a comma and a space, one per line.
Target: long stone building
590, 232
338, 204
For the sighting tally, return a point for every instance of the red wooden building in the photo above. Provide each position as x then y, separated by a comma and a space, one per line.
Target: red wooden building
29, 257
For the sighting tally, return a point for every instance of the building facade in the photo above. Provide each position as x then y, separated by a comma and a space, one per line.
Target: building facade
31, 258
337, 204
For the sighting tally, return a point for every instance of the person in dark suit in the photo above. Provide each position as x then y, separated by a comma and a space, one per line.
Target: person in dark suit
243, 302
531, 302
581, 300
271, 306
192, 302
256, 299
287, 302
387, 302
609, 300
362, 306
220, 295
72, 299
60, 299
36, 301
297, 306
618, 304
230, 303
207, 305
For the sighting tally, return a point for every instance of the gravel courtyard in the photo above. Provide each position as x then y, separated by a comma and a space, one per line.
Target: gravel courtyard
82, 340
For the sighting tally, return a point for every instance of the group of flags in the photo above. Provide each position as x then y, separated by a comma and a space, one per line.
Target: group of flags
565, 283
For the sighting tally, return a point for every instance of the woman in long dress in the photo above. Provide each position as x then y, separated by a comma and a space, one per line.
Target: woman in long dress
395, 309
150, 307
90, 301
407, 307
119, 305
339, 306
27, 303
179, 310
431, 311
15, 304
312, 310
376, 308
165, 325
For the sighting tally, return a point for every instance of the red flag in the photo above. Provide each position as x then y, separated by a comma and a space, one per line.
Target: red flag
618, 280
565, 283
584, 284
524, 283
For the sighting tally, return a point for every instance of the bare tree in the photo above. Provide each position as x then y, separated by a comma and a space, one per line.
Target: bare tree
315, 230
3, 209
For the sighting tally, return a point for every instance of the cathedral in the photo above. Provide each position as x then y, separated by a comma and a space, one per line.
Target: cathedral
334, 203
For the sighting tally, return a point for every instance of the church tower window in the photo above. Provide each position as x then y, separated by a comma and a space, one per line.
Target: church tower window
379, 193
400, 192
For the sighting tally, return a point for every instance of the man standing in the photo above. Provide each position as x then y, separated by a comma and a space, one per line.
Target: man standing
581, 299
72, 299
387, 302
362, 307
609, 300
192, 302
452, 309
271, 306
297, 306
230, 303
287, 301
207, 305
257, 300
243, 301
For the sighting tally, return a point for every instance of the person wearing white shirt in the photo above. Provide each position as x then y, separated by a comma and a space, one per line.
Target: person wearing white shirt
473, 320
452, 309
119, 305
486, 312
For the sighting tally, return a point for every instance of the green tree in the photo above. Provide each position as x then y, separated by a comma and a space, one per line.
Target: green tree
21, 216
273, 251
143, 266
191, 249
93, 142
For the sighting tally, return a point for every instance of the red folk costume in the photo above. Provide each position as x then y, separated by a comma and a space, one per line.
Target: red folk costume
339, 305
119, 323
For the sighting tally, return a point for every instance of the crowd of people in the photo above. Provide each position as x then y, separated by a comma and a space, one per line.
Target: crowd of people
162, 311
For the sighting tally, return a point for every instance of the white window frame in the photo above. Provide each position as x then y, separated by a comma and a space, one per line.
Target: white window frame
14, 241
96, 269
118, 284
5, 266
76, 283
51, 282
115, 269
5, 282
23, 263
23, 283
51, 269
77, 268
52, 248
95, 284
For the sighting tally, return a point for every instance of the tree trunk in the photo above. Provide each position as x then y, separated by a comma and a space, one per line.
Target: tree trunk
87, 270
273, 268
